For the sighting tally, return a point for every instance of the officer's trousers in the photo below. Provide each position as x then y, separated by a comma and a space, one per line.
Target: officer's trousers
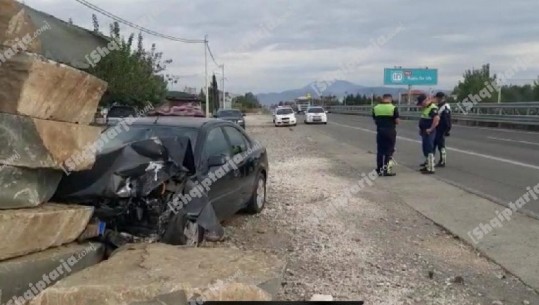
428, 141
439, 141
385, 142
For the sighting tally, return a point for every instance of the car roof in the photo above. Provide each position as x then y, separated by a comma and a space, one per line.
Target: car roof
178, 121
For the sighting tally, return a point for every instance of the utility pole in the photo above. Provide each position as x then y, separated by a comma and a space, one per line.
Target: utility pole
206, 75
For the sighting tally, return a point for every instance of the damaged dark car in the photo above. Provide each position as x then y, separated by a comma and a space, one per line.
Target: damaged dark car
169, 179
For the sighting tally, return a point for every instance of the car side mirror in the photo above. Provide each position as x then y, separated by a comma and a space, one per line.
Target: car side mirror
218, 160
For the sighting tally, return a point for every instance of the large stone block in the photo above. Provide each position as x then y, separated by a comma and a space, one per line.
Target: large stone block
26, 231
21, 277
46, 35
25, 188
143, 272
34, 143
33, 86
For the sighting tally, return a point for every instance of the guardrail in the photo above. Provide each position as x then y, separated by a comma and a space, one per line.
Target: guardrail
503, 113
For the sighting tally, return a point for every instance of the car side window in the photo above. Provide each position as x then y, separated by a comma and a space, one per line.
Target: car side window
216, 144
237, 140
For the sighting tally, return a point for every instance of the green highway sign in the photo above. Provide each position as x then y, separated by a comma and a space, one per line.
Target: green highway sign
410, 77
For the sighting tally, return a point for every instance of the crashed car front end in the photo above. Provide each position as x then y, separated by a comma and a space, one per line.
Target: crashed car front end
136, 190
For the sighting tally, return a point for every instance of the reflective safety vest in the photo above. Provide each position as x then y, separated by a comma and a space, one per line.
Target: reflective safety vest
426, 111
384, 109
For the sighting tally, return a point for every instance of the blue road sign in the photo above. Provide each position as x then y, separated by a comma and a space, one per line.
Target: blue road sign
417, 77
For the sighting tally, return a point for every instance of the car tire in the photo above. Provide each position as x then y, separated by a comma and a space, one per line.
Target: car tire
325, 123
258, 200
182, 231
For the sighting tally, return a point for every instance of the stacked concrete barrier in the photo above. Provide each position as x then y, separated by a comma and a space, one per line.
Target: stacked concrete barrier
46, 109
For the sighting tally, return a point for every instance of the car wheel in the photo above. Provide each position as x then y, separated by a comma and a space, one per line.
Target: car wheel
258, 200
183, 231
325, 123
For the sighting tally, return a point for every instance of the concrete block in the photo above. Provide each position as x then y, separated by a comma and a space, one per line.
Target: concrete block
26, 231
142, 272
35, 143
26, 276
33, 86
47, 35
25, 188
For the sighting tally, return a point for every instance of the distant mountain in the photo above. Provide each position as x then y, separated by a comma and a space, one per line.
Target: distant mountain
339, 88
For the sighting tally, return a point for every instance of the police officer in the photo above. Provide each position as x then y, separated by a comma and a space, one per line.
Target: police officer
427, 129
443, 128
386, 117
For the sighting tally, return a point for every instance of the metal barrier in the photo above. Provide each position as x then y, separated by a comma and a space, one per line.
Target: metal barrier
503, 113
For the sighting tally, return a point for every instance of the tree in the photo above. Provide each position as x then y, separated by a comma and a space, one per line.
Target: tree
133, 75
70, 21
214, 94
475, 81
95, 23
249, 101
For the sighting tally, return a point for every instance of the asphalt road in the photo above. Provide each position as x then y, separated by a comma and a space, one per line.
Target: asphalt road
495, 163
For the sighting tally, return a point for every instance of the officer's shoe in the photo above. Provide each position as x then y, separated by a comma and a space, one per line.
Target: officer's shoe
440, 164
425, 170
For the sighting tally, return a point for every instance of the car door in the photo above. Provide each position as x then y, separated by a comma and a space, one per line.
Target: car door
242, 160
222, 184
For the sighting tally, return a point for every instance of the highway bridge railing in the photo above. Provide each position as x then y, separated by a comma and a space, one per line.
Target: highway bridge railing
518, 114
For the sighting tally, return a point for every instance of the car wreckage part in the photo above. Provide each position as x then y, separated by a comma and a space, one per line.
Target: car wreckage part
136, 190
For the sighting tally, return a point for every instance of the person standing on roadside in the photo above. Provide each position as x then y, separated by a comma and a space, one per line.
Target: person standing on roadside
386, 117
427, 130
443, 129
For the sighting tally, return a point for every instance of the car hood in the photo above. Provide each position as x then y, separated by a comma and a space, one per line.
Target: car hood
131, 170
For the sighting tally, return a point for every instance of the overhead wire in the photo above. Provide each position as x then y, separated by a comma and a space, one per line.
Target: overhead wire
136, 26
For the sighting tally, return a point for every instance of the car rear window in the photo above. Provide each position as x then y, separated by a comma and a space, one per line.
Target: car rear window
229, 113
121, 112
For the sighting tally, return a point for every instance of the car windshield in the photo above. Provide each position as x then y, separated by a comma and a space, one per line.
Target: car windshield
285, 111
120, 136
316, 110
121, 112
229, 113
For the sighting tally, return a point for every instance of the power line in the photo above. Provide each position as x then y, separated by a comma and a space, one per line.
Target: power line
136, 26
211, 55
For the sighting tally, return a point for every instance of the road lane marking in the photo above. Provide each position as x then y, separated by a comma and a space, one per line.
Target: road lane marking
471, 153
514, 141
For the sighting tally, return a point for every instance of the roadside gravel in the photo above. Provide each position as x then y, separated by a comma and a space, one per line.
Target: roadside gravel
373, 247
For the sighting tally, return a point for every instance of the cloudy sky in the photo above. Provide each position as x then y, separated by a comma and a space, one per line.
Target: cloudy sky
275, 45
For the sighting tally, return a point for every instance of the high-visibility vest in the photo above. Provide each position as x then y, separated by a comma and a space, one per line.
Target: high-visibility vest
426, 111
384, 109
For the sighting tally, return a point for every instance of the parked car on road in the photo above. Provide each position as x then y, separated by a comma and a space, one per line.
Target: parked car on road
284, 117
142, 171
316, 114
119, 112
231, 115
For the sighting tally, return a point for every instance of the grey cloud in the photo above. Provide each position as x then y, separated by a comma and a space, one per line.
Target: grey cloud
317, 36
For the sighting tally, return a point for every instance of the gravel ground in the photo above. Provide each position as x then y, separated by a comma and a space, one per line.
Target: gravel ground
373, 247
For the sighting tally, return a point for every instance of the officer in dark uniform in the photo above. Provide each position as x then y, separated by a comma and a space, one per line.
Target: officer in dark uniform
386, 117
443, 129
427, 129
